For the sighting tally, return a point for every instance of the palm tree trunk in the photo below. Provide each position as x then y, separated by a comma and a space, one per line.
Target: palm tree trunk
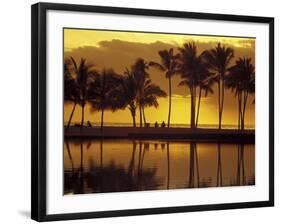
101, 123
219, 98
134, 120
244, 110
222, 102
82, 120
71, 115
239, 111
198, 107
170, 101
192, 109
133, 113
144, 120
101, 153
140, 115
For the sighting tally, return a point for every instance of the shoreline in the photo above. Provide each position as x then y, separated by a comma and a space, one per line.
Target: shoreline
198, 134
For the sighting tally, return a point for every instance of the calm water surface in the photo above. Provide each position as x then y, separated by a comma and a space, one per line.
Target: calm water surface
124, 165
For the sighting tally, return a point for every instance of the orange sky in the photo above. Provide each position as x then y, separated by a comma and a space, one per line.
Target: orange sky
118, 50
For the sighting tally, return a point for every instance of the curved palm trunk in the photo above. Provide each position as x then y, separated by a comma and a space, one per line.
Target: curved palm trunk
170, 101
133, 113
71, 115
198, 107
140, 110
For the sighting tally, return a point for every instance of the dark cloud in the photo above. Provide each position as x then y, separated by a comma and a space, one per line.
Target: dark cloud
118, 54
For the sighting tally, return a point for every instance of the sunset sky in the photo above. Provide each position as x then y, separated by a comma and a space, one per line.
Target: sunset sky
118, 50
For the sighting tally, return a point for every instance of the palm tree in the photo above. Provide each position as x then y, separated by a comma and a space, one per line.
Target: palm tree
219, 59
83, 74
241, 80
139, 71
102, 95
71, 94
150, 94
194, 71
168, 65
128, 93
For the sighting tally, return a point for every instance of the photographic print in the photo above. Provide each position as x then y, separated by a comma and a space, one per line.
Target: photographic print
157, 111
141, 111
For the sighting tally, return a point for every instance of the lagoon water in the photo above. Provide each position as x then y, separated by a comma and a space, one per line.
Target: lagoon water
93, 166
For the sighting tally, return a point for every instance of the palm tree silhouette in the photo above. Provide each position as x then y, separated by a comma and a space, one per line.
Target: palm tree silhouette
194, 71
71, 93
139, 70
145, 93
219, 59
241, 80
168, 65
128, 93
102, 93
83, 74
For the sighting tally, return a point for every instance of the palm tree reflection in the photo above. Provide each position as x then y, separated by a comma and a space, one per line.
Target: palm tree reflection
111, 177
219, 167
240, 176
88, 173
168, 165
193, 166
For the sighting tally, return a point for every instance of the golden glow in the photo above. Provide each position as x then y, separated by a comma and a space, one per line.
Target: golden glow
74, 38
180, 113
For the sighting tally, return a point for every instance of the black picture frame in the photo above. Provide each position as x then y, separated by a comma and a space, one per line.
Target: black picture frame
39, 122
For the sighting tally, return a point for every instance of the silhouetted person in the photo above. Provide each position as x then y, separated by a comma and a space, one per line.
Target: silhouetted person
156, 125
163, 125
